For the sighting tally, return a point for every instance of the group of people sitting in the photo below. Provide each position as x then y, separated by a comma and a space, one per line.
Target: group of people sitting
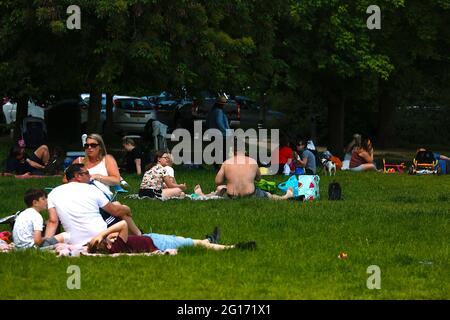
290, 160
85, 209
358, 156
77, 205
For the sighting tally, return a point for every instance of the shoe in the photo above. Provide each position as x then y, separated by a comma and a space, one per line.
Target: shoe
124, 184
214, 237
246, 245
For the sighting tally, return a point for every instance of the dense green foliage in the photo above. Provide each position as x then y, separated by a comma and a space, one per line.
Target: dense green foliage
309, 58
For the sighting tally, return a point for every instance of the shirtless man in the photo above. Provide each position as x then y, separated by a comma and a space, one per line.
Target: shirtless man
240, 173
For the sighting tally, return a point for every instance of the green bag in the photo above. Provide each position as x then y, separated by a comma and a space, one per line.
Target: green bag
266, 185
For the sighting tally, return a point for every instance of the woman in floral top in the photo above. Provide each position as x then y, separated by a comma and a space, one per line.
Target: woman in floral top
153, 181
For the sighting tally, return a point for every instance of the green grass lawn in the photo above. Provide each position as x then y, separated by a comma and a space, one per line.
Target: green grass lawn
397, 222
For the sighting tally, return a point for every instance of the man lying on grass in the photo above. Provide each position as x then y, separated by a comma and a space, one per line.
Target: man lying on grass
115, 239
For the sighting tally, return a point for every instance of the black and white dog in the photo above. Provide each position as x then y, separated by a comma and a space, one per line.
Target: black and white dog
329, 166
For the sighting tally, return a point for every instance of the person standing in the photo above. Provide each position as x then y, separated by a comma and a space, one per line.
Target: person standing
217, 119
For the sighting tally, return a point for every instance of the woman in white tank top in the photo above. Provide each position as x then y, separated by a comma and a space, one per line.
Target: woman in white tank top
102, 166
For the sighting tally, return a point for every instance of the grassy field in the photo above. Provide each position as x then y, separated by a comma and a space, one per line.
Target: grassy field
397, 222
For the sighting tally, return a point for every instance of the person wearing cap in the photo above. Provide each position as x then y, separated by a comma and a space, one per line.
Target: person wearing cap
218, 120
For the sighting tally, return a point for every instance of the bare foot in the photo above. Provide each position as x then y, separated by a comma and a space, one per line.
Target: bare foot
289, 193
198, 190
221, 190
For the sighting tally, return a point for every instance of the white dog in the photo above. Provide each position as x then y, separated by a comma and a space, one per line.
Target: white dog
329, 166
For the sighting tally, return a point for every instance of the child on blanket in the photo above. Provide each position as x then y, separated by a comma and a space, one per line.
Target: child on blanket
116, 240
28, 227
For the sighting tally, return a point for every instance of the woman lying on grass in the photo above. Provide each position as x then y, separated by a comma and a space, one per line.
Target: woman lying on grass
115, 239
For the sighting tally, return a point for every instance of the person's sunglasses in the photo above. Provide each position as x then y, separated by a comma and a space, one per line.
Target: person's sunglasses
91, 145
81, 173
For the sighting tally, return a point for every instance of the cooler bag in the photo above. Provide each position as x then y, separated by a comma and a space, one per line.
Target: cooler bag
306, 185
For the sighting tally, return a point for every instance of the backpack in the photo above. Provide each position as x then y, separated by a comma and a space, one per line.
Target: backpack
334, 191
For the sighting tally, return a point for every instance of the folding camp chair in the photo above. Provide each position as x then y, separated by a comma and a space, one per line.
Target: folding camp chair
10, 220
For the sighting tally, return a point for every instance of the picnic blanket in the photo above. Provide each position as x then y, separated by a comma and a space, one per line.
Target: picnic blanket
6, 247
67, 250
193, 196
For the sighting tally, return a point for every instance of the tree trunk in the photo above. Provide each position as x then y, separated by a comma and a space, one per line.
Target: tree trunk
95, 105
386, 116
336, 115
21, 113
108, 129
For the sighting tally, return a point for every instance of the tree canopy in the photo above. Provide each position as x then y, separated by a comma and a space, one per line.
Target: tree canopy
310, 57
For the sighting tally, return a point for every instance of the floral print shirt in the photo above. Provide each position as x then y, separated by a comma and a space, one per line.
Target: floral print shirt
154, 178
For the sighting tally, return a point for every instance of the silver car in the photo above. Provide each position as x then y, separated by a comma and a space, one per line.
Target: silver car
131, 114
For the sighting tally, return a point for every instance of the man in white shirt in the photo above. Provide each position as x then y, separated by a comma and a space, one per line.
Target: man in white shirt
77, 204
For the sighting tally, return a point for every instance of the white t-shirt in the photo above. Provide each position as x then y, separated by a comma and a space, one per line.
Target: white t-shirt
170, 172
77, 205
26, 223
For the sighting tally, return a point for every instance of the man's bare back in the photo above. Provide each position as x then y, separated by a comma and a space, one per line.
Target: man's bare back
240, 173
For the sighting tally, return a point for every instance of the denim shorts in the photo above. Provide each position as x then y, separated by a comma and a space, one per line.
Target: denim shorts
164, 242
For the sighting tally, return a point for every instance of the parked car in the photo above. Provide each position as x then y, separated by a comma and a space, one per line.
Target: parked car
252, 115
10, 110
167, 107
84, 104
131, 114
187, 110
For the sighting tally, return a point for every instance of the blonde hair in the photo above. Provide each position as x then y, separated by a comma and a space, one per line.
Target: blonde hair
99, 139
357, 140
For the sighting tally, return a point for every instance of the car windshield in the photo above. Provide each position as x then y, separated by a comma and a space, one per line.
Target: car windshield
133, 104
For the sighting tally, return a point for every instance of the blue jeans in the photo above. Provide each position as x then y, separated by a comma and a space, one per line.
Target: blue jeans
164, 241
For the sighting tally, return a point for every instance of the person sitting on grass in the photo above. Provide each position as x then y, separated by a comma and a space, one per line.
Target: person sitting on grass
172, 182
133, 159
77, 204
362, 158
152, 184
304, 158
437, 156
28, 227
20, 163
116, 240
236, 179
